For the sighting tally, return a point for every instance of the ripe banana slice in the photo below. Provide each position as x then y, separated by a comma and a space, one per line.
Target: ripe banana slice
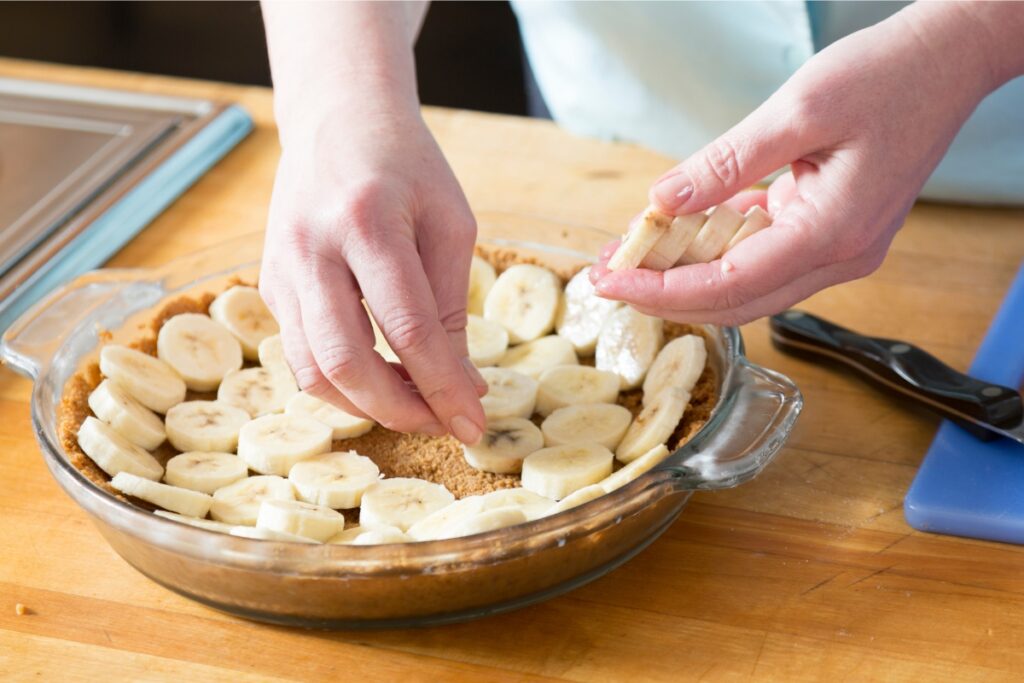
348, 535
271, 353
524, 299
640, 239
582, 313
128, 417
487, 520
756, 219
204, 472
603, 423
722, 223
272, 444
509, 393
558, 471
343, 425
439, 524
300, 518
267, 535
182, 501
572, 384
481, 279
257, 391
634, 469
679, 364
241, 310
205, 426
148, 380
504, 445
199, 349
628, 343
654, 425
380, 343
576, 498
533, 358
533, 505
335, 480
114, 453
381, 536
674, 243
207, 524
239, 503
401, 502
487, 341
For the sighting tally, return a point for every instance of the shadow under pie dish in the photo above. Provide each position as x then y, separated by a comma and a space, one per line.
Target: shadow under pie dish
394, 584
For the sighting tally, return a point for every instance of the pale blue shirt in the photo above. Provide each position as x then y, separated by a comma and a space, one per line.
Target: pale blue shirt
673, 76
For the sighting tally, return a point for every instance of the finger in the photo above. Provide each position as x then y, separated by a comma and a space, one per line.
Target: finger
781, 192
743, 201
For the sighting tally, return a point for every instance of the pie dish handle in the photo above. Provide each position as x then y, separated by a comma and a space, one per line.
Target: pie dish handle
743, 435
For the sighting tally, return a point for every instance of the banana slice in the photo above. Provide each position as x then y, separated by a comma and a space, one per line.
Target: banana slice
128, 417
380, 343
576, 498
335, 480
504, 445
573, 384
271, 353
679, 364
487, 520
603, 423
438, 524
207, 524
257, 391
674, 243
199, 349
205, 426
241, 310
259, 534
343, 425
509, 393
582, 313
401, 502
381, 536
722, 223
239, 503
114, 453
654, 425
204, 472
481, 279
347, 536
533, 505
640, 239
627, 346
524, 299
173, 498
634, 469
148, 380
487, 341
533, 358
300, 518
272, 444
560, 470
756, 219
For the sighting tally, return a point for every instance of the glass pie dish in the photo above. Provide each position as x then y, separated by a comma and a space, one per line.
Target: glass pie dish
397, 585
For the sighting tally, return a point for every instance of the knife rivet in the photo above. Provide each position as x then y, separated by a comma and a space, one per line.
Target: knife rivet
991, 391
899, 348
793, 315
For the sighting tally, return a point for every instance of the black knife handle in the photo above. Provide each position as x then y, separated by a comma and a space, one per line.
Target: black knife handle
903, 367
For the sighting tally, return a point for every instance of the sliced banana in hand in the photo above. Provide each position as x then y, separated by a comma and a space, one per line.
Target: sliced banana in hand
199, 349
756, 219
722, 223
534, 357
504, 445
634, 469
673, 244
654, 425
640, 239
487, 341
560, 470
271, 354
576, 498
115, 454
239, 503
272, 444
602, 423
335, 480
628, 343
205, 426
128, 417
582, 313
241, 310
509, 393
300, 518
524, 299
481, 279
204, 472
257, 391
401, 502
148, 380
679, 364
183, 501
567, 385
532, 504
342, 424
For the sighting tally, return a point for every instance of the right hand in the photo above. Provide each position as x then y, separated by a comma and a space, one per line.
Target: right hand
365, 206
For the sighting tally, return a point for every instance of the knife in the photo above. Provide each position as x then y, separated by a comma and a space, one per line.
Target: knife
986, 410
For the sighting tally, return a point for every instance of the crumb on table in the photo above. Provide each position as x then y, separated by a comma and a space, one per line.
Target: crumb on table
20, 610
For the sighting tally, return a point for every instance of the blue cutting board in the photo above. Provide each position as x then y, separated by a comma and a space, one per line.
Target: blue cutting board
968, 487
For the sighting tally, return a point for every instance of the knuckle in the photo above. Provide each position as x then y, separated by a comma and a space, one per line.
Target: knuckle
722, 162
454, 321
311, 380
407, 331
341, 365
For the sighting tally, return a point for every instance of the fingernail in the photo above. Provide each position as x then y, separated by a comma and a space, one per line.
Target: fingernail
670, 195
434, 429
474, 374
465, 430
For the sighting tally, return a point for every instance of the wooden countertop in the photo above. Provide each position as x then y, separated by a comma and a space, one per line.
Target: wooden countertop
807, 573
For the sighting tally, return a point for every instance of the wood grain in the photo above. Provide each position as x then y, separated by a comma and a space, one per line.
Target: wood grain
809, 573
